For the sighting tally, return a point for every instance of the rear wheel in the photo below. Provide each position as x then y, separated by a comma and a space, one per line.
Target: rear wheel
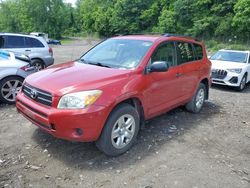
38, 64
242, 83
9, 87
120, 131
197, 102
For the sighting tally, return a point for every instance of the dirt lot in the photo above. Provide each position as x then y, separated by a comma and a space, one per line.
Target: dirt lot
177, 149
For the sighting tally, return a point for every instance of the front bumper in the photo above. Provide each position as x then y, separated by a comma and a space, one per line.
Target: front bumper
64, 124
231, 79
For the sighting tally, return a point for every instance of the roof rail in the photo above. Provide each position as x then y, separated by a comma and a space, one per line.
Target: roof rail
124, 34
177, 35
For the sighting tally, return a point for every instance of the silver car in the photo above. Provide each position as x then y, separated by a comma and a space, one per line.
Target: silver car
13, 70
35, 47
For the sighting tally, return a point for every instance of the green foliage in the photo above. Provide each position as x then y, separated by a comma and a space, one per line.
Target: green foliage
49, 16
242, 16
204, 19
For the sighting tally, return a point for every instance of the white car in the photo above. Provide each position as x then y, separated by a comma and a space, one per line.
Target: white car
231, 68
13, 70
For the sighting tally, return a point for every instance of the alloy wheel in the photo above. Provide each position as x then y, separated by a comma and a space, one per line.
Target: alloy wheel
123, 131
10, 89
200, 98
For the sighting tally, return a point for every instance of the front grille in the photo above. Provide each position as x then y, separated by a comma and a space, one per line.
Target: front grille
219, 74
37, 95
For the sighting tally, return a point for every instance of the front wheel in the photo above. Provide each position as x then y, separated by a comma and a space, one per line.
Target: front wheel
9, 87
197, 102
242, 83
120, 131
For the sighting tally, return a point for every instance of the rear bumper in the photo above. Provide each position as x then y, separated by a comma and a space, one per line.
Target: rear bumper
64, 124
49, 60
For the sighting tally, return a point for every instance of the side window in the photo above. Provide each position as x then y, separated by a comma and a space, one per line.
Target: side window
249, 59
198, 51
165, 52
15, 42
33, 43
185, 52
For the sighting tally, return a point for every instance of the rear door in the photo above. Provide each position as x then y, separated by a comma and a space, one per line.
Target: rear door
189, 68
33, 45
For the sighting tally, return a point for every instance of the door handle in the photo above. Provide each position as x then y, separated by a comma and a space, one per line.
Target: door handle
179, 74
27, 50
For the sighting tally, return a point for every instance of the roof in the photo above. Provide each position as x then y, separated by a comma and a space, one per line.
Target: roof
151, 38
155, 37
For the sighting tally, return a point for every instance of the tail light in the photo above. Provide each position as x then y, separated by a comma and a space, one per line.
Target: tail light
51, 51
27, 68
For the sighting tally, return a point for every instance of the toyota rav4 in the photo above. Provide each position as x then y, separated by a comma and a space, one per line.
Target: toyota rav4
108, 93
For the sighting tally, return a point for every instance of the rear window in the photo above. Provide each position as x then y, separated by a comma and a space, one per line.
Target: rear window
185, 52
198, 51
33, 43
15, 42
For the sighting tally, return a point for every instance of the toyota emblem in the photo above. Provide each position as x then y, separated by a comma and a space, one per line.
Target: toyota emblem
33, 93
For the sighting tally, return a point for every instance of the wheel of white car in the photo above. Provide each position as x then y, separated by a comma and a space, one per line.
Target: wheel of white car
120, 130
9, 87
38, 64
243, 83
196, 104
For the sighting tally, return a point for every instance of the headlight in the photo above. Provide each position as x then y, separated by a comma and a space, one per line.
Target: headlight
79, 100
238, 71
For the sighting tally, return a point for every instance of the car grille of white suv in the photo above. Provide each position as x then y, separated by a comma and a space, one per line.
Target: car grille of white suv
219, 73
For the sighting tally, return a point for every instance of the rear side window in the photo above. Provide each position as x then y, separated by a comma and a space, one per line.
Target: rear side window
33, 43
15, 42
165, 52
198, 51
185, 52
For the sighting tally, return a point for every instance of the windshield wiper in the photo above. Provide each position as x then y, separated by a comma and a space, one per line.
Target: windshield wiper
98, 64
94, 63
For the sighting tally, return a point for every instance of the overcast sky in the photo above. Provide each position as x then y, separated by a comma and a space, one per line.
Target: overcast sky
70, 1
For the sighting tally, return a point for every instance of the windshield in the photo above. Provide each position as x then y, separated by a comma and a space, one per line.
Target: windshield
239, 57
117, 53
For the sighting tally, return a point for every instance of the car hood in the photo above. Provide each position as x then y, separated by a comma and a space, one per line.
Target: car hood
74, 76
226, 64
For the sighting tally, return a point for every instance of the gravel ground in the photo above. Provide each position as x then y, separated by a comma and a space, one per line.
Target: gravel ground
176, 149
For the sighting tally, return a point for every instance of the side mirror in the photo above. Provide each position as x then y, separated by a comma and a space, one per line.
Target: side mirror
159, 66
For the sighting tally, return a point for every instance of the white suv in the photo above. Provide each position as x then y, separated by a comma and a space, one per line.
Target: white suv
231, 67
36, 48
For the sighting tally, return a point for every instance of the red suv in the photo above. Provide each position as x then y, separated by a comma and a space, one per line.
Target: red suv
106, 95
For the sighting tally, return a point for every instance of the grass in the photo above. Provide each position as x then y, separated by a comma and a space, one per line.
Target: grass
66, 40
213, 46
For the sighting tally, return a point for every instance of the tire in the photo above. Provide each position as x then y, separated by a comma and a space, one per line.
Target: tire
9, 87
243, 83
38, 64
197, 102
115, 138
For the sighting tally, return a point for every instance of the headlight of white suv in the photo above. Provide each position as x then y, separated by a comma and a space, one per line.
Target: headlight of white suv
79, 100
238, 71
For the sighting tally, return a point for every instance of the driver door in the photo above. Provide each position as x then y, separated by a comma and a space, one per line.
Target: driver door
163, 91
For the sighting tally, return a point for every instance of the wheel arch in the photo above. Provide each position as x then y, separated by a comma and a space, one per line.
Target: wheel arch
37, 58
205, 81
11, 76
133, 101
